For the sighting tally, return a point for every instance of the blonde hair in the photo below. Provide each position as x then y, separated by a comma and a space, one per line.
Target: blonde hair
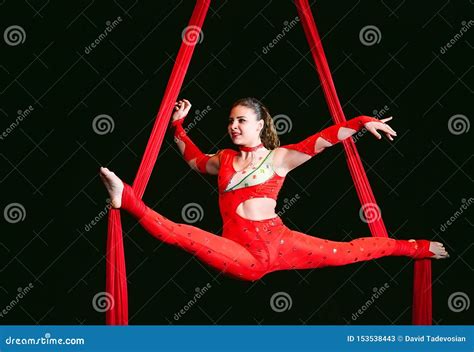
268, 134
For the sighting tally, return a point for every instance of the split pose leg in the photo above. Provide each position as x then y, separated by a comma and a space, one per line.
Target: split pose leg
252, 249
301, 251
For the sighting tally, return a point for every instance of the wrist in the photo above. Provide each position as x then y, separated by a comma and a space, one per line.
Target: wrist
177, 122
179, 132
358, 123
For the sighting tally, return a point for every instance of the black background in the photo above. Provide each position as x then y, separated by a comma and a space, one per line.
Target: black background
50, 160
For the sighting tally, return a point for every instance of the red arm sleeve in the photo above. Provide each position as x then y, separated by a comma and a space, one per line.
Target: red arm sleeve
191, 152
308, 145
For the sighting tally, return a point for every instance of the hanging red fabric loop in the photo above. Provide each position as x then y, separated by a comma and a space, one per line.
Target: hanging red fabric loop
422, 307
116, 276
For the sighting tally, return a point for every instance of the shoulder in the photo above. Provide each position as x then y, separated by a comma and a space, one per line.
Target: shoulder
286, 159
225, 153
230, 151
279, 156
279, 153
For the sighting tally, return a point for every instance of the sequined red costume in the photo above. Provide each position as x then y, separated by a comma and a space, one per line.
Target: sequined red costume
249, 249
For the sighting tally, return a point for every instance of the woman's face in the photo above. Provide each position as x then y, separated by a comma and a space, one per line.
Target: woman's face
243, 128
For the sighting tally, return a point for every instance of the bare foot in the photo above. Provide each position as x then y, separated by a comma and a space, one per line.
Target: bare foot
114, 186
438, 249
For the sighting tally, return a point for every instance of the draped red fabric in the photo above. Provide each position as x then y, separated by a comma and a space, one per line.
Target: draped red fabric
422, 305
116, 277
422, 298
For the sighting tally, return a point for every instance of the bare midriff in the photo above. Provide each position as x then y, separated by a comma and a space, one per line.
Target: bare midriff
257, 209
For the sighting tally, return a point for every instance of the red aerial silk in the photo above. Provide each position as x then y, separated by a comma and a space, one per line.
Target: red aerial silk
116, 277
116, 280
422, 307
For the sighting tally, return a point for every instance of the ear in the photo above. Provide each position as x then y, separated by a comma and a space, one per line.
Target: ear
261, 123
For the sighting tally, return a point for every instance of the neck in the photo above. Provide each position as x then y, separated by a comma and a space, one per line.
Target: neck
250, 149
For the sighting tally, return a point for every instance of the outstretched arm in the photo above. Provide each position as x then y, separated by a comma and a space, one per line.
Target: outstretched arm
197, 160
291, 156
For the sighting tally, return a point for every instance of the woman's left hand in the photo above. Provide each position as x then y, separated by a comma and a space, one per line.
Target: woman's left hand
373, 126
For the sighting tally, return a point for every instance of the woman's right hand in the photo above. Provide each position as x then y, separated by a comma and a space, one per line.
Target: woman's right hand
181, 109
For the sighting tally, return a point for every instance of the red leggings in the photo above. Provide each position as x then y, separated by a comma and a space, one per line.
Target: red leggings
250, 249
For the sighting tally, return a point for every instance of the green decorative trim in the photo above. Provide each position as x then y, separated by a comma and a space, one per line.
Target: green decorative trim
250, 174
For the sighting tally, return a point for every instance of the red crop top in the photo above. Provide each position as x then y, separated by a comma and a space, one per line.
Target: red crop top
230, 196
